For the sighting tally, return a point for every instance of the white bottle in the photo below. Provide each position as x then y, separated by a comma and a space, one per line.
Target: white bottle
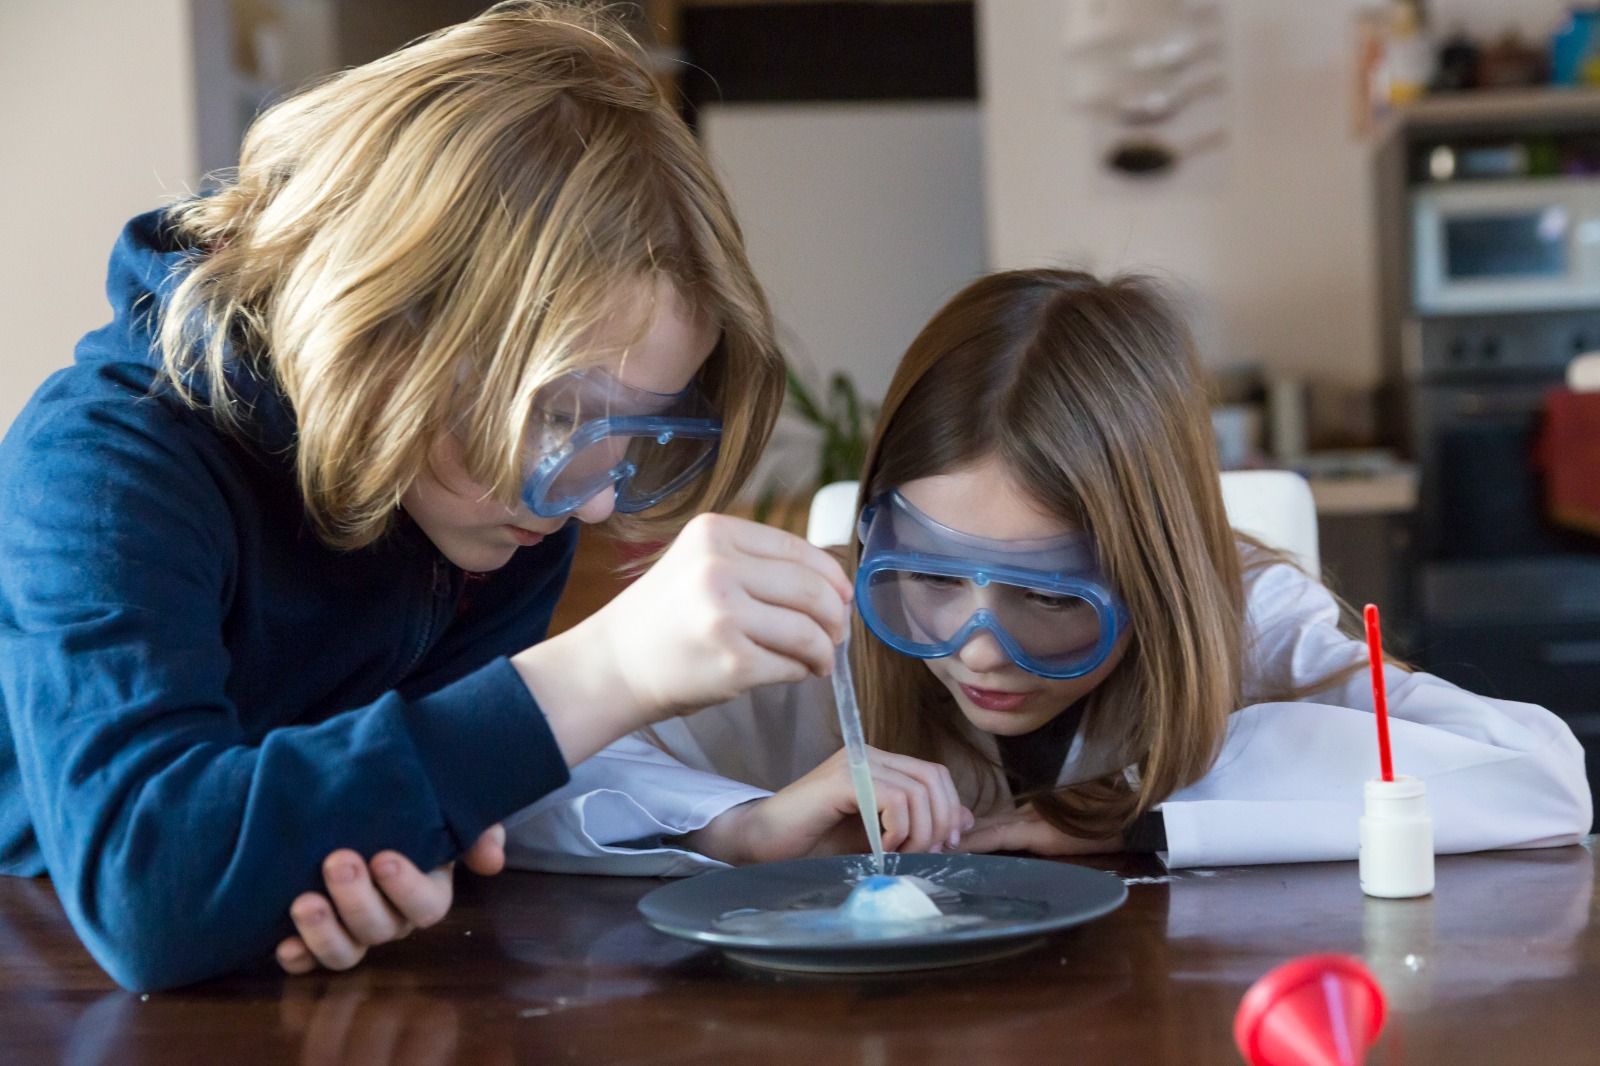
1396, 856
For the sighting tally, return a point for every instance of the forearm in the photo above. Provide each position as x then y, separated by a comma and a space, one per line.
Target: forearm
585, 704
178, 858
726, 837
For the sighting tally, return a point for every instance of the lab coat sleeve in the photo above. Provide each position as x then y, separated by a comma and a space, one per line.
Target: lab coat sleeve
1287, 785
619, 813
623, 807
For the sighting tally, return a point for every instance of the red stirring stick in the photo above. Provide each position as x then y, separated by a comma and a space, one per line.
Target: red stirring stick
1380, 697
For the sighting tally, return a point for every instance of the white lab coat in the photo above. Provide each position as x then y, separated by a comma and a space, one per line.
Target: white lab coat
1286, 786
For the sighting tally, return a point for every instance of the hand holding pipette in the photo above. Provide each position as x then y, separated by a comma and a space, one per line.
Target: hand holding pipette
919, 810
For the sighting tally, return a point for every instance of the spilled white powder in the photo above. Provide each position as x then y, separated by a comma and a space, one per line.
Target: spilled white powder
1167, 879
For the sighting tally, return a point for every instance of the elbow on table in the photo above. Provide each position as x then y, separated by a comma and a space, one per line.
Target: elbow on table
142, 971
1566, 787
148, 940
153, 961
1573, 784
133, 965
1540, 799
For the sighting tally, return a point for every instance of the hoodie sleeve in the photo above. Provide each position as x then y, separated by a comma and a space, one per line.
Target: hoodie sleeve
176, 837
1287, 784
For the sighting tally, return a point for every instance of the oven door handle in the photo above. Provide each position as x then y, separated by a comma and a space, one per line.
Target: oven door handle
1570, 653
1586, 727
1491, 405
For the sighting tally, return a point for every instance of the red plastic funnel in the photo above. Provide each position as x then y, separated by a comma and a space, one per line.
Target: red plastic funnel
1317, 1010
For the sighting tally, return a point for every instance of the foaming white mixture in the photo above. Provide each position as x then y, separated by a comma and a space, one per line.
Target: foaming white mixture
886, 898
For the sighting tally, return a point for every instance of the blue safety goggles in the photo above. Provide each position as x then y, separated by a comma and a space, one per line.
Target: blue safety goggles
590, 432
925, 590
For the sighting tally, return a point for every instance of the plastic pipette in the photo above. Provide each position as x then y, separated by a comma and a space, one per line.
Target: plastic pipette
855, 748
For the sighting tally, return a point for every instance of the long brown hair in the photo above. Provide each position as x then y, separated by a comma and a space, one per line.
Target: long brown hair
1091, 395
417, 245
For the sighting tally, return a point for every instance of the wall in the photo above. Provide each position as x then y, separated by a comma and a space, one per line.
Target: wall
861, 219
1275, 256
96, 116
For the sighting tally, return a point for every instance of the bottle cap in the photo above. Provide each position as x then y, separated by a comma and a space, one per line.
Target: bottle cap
1317, 1010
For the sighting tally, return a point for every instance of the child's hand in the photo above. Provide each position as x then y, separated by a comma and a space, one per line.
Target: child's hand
731, 605
1025, 829
375, 903
817, 815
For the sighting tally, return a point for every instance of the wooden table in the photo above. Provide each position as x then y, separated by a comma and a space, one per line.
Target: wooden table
1502, 965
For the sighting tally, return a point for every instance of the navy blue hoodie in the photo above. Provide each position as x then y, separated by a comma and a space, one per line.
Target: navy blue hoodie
200, 699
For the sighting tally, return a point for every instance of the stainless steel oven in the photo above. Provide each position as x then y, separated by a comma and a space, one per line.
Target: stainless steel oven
1483, 494
1509, 602
1488, 243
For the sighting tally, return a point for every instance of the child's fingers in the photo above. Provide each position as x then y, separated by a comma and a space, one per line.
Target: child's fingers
905, 812
294, 956
895, 816
322, 934
789, 633
939, 788
799, 588
366, 915
1026, 831
760, 666
487, 856
769, 542
424, 899
919, 811
1014, 830
1008, 835
960, 817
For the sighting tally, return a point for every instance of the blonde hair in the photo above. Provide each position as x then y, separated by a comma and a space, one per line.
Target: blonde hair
418, 245
1090, 394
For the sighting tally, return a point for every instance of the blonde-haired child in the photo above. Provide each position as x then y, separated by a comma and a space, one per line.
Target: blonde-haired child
281, 546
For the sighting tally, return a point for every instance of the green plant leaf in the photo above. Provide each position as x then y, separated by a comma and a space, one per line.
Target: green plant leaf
802, 401
765, 503
846, 424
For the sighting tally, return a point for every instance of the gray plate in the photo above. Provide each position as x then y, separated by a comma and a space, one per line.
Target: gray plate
1070, 895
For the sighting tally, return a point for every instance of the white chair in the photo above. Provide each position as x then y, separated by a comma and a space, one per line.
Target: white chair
1583, 373
1274, 506
832, 519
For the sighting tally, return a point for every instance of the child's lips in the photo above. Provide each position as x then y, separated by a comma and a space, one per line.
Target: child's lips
991, 699
525, 538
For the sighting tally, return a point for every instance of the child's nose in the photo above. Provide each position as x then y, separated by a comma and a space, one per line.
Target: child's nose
983, 653
599, 507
